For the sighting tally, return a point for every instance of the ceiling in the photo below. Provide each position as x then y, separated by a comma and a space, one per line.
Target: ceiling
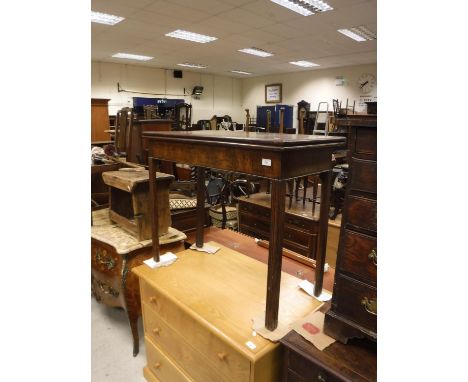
237, 24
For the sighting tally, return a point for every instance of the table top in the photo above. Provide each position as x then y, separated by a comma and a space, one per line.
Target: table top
272, 140
127, 180
274, 156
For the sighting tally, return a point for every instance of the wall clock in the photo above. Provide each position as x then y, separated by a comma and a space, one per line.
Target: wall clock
367, 82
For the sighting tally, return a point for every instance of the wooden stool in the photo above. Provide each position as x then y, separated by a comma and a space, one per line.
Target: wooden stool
129, 201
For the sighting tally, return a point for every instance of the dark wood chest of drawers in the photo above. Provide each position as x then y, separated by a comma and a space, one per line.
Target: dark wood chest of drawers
353, 311
300, 226
303, 362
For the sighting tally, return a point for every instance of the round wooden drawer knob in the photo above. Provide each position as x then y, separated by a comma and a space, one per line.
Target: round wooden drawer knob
222, 356
152, 299
157, 365
156, 330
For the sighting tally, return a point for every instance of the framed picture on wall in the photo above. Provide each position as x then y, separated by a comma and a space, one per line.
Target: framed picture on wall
273, 93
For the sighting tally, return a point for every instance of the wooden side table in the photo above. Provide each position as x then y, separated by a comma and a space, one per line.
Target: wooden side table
279, 157
114, 253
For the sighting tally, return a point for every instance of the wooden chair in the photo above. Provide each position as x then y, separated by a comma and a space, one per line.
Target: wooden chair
183, 116
314, 179
124, 121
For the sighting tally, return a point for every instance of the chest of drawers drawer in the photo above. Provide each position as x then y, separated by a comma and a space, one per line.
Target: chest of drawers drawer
361, 213
192, 344
161, 366
356, 301
364, 176
360, 257
364, 142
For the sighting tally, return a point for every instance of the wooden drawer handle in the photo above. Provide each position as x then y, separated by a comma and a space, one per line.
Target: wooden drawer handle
372, 256
156, 330
152, 299
157, 365
370, 305
222, 356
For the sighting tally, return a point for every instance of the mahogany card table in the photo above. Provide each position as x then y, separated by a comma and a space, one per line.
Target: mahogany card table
277, 157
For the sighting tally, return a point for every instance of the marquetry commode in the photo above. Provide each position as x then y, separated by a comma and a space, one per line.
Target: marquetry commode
197, 316
114, 252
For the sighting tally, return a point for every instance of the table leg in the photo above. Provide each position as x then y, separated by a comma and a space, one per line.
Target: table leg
278, 193
200, 206
325, 178
153, 209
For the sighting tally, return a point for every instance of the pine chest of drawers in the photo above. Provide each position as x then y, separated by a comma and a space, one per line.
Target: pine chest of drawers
197, 316
353, 311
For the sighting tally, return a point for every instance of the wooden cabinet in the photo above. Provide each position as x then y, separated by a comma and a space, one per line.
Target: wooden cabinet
300, 225
353, 311
198, 314
303, 362
99, 120
114, 252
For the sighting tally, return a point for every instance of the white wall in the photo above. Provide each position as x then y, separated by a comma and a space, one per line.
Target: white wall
221, 95
313, 86
226, 95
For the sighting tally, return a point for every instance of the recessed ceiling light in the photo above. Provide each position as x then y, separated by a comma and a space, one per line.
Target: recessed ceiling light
304, 7
104, 18
305, 64
360, 33
256, 52
132, 56
193, 65
190, 36
240, 72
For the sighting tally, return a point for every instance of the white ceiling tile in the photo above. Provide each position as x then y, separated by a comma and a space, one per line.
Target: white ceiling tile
237, 24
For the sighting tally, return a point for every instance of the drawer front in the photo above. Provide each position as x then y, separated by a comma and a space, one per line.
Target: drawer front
105, 260
255, 210
360, 256
161, 366
149, 376
255, 222
160, 312
364, 175
357, 301
307, 247
301, 369
365, 142
301, 223
362, 212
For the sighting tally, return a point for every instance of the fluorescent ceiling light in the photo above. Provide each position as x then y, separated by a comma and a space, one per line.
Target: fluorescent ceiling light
304, 7
193, 65
256, 52
104, 18
240, 72
360, 33
190, 36
132, 56
305, 64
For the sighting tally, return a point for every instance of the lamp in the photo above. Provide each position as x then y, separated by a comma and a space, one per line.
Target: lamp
197, 90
